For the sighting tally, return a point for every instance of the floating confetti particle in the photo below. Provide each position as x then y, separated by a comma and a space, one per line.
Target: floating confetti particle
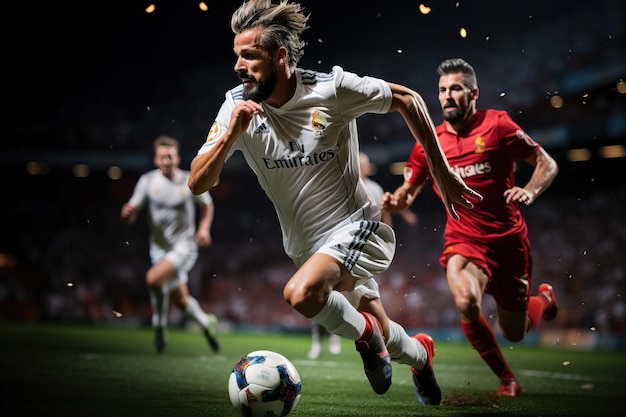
424, 9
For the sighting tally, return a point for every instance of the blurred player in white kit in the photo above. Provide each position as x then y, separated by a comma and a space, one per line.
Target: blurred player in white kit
174, 239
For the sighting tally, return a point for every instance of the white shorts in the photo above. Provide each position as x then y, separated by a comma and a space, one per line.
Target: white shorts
183, 256
366, 248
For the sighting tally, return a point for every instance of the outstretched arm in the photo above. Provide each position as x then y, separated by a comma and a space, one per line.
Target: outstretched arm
402, 198
413, 109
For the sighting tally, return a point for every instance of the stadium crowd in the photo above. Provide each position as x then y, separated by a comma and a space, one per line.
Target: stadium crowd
71, 260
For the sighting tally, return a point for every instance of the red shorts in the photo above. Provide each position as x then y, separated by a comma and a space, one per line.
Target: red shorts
508, 264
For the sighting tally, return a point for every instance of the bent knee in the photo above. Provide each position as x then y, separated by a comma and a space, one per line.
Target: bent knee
304, 299
467, 305
296, 295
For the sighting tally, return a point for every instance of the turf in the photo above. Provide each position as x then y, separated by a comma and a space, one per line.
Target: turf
60, 370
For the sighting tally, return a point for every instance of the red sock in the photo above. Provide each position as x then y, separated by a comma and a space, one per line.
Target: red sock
483, 339
536, 305
369, 327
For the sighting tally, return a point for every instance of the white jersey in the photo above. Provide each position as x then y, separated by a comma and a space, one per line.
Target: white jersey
171, 207
374, 188
305, 154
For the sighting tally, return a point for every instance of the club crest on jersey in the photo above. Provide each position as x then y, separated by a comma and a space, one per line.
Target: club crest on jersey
479, 142
407, 173
213, 132
319, 123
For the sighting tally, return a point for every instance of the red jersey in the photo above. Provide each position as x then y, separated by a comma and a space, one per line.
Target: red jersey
483, 154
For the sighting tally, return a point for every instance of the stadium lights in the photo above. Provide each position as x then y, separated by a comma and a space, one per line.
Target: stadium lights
81, 170
37, 168
612, 151
578, 155
397, 168
114, 172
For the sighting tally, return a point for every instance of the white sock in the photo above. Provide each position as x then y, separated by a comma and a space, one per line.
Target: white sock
194, 311
404, 349
340, 317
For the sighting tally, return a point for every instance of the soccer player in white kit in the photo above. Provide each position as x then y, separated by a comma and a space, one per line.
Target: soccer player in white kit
173, 239
297, 131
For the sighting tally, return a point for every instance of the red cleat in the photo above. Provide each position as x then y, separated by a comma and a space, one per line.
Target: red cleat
427, 389
509, 388
547, 291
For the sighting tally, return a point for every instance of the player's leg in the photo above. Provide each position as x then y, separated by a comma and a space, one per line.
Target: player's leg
417, 352
310, 291
156, 278
515, 324
183, 257
192, 309
355, 253
467, 282
516, 256
549, 309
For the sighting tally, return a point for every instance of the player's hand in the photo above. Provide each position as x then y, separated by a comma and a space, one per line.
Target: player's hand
454, 191
393, 203
241, 116
519, 194
128, 214
203, 238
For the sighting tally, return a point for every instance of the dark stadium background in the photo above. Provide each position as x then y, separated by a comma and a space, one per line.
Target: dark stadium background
88, 86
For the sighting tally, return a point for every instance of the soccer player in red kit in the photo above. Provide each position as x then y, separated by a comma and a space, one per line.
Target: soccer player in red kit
487, 249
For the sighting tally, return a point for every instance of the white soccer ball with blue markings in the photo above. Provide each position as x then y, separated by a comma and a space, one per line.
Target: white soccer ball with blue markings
264, 383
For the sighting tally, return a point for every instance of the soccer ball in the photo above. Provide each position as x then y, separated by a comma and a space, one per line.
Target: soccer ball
264, 383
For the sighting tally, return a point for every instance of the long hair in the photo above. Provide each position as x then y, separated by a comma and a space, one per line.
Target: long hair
282, 25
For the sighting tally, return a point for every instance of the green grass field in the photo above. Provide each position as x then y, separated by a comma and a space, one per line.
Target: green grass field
55, 370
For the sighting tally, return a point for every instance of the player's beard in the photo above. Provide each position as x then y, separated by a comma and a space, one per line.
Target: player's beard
262, 90
455, 115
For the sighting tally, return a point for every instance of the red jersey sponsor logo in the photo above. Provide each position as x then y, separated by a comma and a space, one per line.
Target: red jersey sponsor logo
478, 168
